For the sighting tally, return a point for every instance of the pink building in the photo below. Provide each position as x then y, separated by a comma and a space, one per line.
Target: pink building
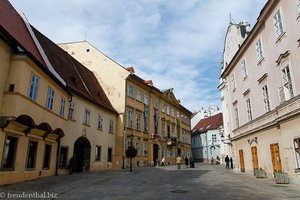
260, 91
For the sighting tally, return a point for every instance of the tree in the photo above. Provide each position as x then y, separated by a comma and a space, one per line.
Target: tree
131, 152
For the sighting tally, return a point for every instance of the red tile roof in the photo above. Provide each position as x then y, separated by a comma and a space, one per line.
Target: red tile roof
79, 79
14, 25
209, 123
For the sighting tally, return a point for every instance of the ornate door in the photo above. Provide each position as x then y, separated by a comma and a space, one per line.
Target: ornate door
254, 158
275, 154
242, 165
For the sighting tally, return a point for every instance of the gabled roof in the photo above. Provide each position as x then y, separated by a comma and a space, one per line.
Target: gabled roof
79, 79
209, 123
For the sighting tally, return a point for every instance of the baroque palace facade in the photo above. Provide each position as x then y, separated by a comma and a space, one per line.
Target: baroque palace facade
260, 91
153, 120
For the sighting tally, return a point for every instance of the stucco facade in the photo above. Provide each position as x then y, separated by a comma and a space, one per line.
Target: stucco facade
260, 93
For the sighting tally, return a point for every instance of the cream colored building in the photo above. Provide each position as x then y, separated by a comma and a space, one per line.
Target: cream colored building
117, 81
260, 93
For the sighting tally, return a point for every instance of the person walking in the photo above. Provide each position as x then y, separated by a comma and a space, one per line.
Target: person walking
178, 162
227, 161
231, 163
70, 166
186, 160
163, 161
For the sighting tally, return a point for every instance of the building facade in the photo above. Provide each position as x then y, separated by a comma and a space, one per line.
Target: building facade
139, 104
260, 93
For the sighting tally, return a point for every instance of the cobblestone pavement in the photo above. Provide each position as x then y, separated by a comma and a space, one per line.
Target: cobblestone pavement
201, 182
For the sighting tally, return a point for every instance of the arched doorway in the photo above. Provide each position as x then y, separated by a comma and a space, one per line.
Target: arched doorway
155, 153
81, 155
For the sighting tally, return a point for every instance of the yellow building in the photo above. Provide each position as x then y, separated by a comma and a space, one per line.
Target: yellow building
138, 103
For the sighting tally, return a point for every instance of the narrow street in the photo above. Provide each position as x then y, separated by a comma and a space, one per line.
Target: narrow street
201, 182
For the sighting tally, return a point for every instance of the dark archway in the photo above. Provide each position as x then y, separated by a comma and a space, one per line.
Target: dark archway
155, 153
178, 152
81, 155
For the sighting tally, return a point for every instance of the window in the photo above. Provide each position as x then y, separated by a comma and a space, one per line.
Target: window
236, 114
168, 110
33, 88
178, 132
163, 128
100, 122
111, 126
298, 5
130, 90
128, 143
146, 99
266, 98
172, 112
62, 107
214, 138
139, 95
249, 111
168, 129
145, 149
244, 69
173, 129
297, 151
87, 117
138, 148
178, 115
138, 121
47, 156
146, 118
9, 153
259, 51
278, 24
98, 153
32, 149
71, 111
162, 107
287, 83
50, 97
129, 118
233, 85
109, 155
182, 135
155, 103
63, 157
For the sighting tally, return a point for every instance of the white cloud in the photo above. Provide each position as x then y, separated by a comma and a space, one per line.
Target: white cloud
175, 44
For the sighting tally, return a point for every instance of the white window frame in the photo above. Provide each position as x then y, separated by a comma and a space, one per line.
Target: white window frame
50, 98
298, 5
172, 112
146, 99
249, 110
266, 98
244, 69
87, 117
236, 115
168, 110
130, 90
296, 142
100, 122
62, 107
233, 83
139, 95
111, 126
162, 107
278, 25
287, 83
129, 118
138, 147
71, 111
259, 50
33, 87
138, 120
145, 149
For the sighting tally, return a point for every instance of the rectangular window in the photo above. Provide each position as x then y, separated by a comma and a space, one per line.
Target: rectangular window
214, 138
178, 115
47, 156
71, 111
244, 69
50, 97
100, 122
146, 99
146, 119
109, 155
128, 143
168, 129
62, 107
172, 112
298, 5
162, 107
138, 121
138, 148
173, 130
249, 111
32, 150
129, 118
33, 88
266, 98
130, 90
63, 157
233, 85
145, 149
10, 148
98, 153
87, 117
182, 135
259, 51
168, 110
111, 126
139, 95
236, 114
278, 24
297, 151
155, 103
163, 128
287, 83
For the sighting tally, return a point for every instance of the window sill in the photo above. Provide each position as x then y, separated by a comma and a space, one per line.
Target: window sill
245, 78
111, 132
7, 169
297, 171
99, 129
260, 61
86, 125
73, 120
280, 37
46, 168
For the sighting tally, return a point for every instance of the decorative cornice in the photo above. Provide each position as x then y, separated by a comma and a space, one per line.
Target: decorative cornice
262, 78
246, 92
282, 57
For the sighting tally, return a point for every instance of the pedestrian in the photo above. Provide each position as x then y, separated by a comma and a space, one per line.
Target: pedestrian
231, 163
227, 161
70, 165
186, 160
192, 164
178, 162
163, 161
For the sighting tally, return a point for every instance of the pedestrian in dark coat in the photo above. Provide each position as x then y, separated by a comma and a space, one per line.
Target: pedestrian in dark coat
231, 162
227, 161
70, 166
186, 160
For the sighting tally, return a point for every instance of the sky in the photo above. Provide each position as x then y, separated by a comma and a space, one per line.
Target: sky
176, 44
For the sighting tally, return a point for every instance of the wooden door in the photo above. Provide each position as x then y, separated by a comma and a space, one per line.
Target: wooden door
254, 158
275, 154
242, 164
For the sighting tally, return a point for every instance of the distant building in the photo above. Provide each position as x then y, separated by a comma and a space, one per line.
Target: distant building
206, 140
260, 92
204, 113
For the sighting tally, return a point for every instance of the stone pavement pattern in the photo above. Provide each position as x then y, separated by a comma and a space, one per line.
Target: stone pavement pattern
202, 182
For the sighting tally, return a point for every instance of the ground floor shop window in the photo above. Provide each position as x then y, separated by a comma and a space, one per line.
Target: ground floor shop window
32, 150
297, 152
9, 153
47, 156
109, 155
98, 153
